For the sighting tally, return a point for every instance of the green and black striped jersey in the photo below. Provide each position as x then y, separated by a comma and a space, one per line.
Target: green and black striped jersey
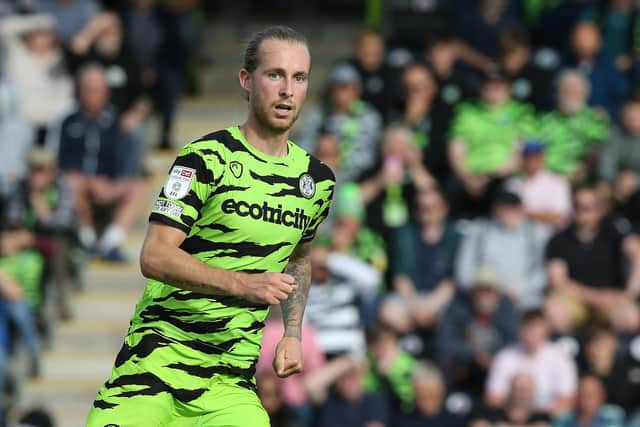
243, 211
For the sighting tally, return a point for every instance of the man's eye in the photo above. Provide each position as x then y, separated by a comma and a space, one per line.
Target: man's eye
274, 76
301, 78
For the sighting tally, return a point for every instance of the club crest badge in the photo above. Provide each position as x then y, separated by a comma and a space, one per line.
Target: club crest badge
307, 186
236, 168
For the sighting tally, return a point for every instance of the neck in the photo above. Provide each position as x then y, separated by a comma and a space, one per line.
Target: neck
270, 142
586, 233
432, 232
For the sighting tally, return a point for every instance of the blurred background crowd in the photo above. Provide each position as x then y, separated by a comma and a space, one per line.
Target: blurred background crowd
481, 263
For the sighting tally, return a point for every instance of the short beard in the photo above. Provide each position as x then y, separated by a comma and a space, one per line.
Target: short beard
264, 120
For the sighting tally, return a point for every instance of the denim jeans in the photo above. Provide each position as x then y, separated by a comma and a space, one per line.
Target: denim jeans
20, 313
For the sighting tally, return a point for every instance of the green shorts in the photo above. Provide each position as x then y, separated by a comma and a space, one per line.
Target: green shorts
153, 390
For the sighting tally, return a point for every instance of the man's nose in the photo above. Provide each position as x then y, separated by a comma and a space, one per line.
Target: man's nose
286, 90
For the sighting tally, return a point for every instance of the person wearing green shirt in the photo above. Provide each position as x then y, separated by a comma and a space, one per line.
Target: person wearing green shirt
390, 368
572, 132
229, 235
484, 144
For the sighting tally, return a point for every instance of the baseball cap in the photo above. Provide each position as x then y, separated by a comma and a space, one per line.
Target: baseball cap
486, 277
532, 146
344, 74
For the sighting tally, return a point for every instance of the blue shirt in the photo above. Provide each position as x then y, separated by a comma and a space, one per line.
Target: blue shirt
608, 416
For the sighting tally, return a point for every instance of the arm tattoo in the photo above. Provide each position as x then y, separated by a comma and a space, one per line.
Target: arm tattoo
293, 307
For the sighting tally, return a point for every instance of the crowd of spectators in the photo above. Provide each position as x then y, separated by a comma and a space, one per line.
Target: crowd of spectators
79, 82
481, 264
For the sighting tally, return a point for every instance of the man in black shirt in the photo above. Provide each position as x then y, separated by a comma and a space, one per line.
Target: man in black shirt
620, 375
369, 60
586, 260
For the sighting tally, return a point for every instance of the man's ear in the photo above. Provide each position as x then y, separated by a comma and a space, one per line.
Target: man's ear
244, 77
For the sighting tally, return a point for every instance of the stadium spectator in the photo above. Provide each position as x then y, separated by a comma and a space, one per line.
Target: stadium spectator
144, 34
91, 145
389, 194
72, 16
13, 162
608, 84
35, 65
21, 270
553, 373
566, 318
43, 203
624, 318
479, 26
420, 89
546, 197
453, 87
356, 124
349, 405
591, 409
618, 373
390, 369
518, 409
422, 260
574, 131
550, 23
339, 282
442, 56
271, 396
350, 234
483, 150
104, 44
181, 24
620, 156
424, 115
431, 408
476, 325
375, 75
512, 245
530, 76
586, 259
618, 23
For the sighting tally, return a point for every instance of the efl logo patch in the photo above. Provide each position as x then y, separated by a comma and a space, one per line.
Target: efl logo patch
179, 182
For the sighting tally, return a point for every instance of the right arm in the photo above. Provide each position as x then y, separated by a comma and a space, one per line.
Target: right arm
162, 259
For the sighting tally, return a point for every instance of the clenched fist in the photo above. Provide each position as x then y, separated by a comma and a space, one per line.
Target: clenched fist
288, 359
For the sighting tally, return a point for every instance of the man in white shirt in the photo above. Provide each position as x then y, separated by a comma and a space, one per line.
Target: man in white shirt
553, 372
546, 196
339, 282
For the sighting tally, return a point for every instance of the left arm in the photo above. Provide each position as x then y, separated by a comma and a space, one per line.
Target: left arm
288, 359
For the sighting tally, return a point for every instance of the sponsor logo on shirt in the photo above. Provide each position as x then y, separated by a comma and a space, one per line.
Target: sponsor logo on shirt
264, 212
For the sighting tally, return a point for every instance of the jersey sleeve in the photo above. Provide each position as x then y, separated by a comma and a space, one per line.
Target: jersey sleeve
188, 186
324, 195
